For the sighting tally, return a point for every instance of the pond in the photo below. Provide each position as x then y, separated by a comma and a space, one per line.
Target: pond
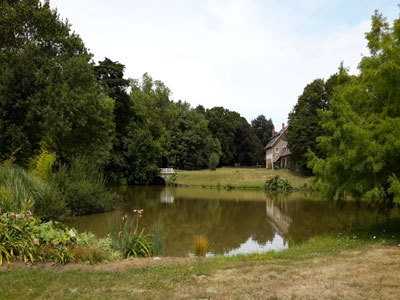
234, 221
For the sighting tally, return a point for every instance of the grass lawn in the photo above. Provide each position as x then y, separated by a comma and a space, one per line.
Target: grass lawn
237, 177
354, 265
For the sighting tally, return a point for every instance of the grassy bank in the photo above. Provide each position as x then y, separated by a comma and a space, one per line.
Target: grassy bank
357, 265
237, 178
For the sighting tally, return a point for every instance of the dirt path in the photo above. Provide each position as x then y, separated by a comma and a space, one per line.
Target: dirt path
117, 266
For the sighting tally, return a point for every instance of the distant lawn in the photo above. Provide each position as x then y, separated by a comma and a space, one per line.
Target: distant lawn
238, 177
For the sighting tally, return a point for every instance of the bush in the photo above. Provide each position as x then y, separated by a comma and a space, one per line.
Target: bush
127, 239
278, 184
83, 188
22, 191
201, 245
213, 161
88, 254
28, 238
42, 164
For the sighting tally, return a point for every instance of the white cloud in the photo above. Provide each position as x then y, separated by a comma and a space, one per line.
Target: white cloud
247, 56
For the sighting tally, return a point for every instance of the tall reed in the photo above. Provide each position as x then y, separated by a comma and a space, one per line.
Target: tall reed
158, 238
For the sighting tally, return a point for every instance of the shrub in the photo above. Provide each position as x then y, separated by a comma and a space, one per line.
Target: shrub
172, 179
83, 188
278, 184
201, 245
23, 235
126, 237
80, 253
27, 237
213, 161
29, 192
42, 164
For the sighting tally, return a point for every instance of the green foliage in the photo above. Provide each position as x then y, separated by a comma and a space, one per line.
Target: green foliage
6, 199
362, 126
28, 238
248, 149
129, 239
213, 161
25, 236
110, 75
191, 142
83, 188
144, 139
141, 154
29, 192
278, 184
158, 238
42, 165
172, 179
239, 143
48, 87
263, 129
304, 119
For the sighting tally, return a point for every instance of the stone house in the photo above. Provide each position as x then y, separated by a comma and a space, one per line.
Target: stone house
277, 152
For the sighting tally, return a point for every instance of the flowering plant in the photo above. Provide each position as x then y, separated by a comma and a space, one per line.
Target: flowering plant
127, 238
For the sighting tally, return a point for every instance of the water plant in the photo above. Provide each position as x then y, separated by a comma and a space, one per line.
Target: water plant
158, 238
201, 245
129, 239
279, 184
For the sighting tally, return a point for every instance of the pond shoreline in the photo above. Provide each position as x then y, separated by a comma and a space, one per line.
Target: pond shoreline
360, 270
237, 178
231, 187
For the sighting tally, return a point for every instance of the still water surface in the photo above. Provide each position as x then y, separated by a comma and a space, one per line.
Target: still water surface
234, 221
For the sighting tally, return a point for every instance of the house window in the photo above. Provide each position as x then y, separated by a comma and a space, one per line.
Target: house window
284, 148
277, 150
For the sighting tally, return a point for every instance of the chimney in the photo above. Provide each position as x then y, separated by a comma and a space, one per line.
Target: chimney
273, 132
283, 126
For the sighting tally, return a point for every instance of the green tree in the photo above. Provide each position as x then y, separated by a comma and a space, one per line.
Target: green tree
362, 126
263, 129
213, 161
223, 125
110, 75
304, 119
47, 87
147, 139
248, 148
191, 141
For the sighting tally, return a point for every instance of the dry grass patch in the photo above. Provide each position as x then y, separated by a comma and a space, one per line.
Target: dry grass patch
374, 275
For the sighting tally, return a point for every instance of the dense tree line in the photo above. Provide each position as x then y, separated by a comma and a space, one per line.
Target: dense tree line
54, 98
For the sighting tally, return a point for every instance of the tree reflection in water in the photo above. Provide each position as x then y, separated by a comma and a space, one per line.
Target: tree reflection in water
234, 221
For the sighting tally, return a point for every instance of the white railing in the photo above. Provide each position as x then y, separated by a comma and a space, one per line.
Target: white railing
167, 171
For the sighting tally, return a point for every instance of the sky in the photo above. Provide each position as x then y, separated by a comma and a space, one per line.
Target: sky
250, 56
